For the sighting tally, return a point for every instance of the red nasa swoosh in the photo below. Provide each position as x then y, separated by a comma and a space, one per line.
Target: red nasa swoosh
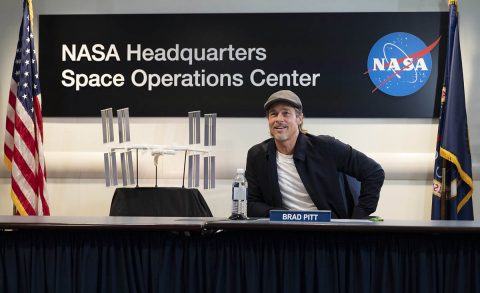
415, 56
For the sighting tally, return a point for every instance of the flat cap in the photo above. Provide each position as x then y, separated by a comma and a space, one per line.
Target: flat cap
285, 96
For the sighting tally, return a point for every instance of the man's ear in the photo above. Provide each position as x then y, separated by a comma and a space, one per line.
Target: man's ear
300, 118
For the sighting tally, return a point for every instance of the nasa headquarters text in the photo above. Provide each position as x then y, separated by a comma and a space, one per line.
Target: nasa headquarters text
196, 78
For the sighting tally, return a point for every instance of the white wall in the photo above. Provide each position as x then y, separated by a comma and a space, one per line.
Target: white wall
405, 147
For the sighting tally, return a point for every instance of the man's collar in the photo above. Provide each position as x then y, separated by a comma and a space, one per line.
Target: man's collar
300, 147
299, 150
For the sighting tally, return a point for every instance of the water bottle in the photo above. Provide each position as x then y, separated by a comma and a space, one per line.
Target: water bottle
239, 196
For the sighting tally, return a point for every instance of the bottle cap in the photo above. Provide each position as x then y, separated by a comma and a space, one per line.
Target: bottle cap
240, 170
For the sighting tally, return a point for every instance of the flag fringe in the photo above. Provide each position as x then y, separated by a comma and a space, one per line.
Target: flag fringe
465, 177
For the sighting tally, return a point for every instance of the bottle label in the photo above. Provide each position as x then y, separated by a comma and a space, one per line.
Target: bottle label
240, 193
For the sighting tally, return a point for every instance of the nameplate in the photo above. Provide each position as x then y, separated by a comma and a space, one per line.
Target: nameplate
300, 216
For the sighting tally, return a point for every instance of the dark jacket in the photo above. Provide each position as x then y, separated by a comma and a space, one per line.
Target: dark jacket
318, 160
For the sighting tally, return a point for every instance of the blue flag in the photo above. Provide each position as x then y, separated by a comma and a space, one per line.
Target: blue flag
452, 179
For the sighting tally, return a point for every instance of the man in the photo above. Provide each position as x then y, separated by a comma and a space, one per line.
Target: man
298, 171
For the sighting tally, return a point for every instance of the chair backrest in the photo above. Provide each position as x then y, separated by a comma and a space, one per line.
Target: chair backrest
350, 189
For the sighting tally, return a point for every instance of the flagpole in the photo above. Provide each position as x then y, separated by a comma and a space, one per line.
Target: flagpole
443, 190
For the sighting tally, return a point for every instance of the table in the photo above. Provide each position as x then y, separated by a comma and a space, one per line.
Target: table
127, 254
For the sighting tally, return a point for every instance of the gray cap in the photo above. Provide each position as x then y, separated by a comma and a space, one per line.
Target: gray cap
285, 96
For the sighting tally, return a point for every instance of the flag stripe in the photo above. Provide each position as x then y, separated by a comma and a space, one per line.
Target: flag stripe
39, 120
41, 189
22, 199
27, 121
43, 205
27, 159
22, 173
12, 99
8, 149
9, 128
21, 135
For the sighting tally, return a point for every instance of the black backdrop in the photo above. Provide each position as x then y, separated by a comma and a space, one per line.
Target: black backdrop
336, 45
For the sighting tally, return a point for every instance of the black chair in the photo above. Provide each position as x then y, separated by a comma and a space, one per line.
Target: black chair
350, 189
159, 202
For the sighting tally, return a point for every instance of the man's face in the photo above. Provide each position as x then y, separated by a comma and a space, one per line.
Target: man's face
283, 122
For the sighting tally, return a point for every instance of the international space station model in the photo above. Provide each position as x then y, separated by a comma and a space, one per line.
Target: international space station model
193, 151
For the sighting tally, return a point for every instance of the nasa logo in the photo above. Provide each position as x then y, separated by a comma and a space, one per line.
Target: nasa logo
399, 64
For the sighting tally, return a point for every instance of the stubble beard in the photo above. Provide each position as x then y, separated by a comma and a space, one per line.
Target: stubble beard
280, 137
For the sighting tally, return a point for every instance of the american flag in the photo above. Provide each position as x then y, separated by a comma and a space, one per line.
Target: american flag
23, 149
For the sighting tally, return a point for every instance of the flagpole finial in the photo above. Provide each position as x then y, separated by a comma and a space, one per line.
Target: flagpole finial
30, 12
